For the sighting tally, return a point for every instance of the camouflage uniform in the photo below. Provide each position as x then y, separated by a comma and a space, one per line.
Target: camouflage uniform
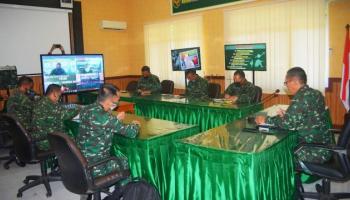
197, 89
245, 92
150, 83
95, 136
308, 116
49, 117
20, 106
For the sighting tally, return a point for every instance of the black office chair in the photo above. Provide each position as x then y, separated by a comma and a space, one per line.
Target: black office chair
26, 151
336, 169
258, 94
132, 86
167, 87
214, 90
7, 143
77, 173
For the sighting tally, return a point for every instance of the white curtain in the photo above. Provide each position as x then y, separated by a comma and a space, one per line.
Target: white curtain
161, 38
295, 35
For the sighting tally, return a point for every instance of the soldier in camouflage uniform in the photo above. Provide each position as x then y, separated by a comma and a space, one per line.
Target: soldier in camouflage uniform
148, 83
19, 104
96, 130
197, 87
241, 91
306, 114
49, 115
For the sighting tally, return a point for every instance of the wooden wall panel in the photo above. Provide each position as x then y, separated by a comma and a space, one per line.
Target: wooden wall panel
331, 96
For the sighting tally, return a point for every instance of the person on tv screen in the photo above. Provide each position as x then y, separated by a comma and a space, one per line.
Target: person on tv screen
148, 83
197, 87
241, 90
58, 70
186, 62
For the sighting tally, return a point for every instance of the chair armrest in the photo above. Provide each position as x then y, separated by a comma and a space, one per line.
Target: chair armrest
334, 149
101, 162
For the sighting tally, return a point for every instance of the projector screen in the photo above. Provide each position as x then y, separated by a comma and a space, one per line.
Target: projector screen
26, 32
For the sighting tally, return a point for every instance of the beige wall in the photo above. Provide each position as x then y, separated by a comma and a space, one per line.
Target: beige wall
124, 50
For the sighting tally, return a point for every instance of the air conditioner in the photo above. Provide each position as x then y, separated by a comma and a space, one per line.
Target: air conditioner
114, 25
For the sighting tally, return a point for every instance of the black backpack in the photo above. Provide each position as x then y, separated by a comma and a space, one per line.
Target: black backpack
135, 190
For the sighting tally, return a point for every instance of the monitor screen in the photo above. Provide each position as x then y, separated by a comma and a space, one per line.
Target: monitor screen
75, 73
246, 57
183, 59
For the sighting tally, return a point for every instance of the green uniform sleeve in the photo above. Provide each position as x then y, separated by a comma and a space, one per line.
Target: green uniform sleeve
246, 94
293, 117
231, 90
117, 127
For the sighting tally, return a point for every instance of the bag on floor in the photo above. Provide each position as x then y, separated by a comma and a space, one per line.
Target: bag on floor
135, 190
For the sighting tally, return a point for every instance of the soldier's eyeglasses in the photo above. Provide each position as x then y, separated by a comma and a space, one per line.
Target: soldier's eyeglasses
286, 82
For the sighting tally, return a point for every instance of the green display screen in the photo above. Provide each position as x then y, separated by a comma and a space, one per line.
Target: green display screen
250, 57
179, 6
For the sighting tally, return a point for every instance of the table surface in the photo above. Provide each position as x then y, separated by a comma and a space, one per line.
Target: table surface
169, 98
232, 137
152, 128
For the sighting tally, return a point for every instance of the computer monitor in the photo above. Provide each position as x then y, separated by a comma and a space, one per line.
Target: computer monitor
183, 59
75, 73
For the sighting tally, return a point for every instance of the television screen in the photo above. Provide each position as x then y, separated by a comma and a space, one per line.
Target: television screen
74, 73
245, 56
183, 59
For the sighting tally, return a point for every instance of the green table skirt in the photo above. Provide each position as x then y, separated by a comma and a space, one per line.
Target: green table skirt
206, 174
149, 159
205, 117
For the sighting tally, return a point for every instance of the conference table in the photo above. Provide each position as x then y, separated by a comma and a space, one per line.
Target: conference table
149, 153
207, 114
230, 162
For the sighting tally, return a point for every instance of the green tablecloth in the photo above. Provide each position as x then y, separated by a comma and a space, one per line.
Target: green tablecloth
149, 153
229, 163
206, 114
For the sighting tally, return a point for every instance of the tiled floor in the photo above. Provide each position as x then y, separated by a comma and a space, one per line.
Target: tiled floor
11, 180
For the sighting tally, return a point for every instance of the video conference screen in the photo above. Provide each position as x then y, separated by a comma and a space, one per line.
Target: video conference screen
183, 59
75, 73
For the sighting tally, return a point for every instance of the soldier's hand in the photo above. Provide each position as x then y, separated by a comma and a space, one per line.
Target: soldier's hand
281, 112
136, 122
121, 116
260, 119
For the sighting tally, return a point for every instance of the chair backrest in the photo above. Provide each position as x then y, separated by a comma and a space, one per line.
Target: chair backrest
344, 138
132, 86
167, 87
214, 90
258, 94
22, 141
73, 164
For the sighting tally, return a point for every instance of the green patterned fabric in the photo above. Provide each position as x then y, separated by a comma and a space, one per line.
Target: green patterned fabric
229, 163
149, 153
307, 114
96, 131
150, 83
49, 117
197, 89
21, 107
206, 114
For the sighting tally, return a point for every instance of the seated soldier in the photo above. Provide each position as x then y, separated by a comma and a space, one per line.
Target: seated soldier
19, 104
241, 91
148, 83
49, 115
97, 127
197, 87
306, 114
